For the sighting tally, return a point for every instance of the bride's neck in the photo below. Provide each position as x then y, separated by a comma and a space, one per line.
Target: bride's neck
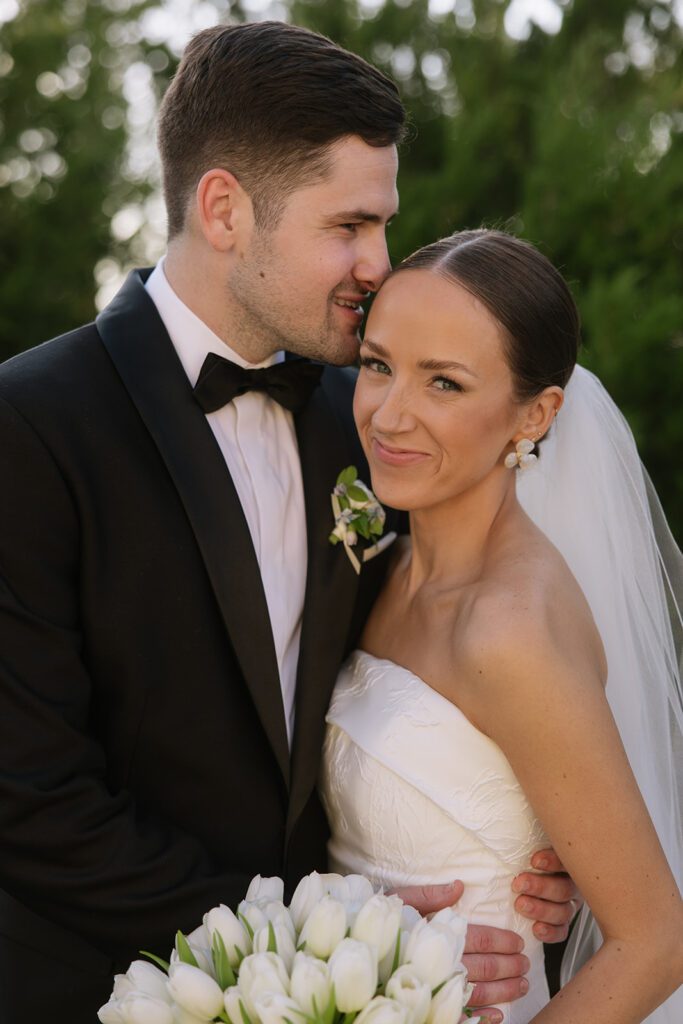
452, 541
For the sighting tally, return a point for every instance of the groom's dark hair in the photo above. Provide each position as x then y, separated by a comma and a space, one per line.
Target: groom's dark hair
265, 101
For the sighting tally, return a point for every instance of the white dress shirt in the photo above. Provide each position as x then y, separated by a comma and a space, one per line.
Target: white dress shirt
258, 442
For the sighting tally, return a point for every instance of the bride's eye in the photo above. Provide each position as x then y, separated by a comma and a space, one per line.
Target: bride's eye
376, 365
446, 384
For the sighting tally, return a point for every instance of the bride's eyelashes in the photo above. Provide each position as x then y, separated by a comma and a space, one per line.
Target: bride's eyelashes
440, 383
376, 365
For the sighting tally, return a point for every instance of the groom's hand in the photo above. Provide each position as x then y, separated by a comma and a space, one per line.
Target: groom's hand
550, 900
493, 957
495, 963
427, 899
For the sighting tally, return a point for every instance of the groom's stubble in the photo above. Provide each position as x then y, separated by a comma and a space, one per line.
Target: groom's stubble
291, 286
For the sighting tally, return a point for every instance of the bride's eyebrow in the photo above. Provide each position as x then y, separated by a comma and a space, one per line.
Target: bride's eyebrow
438, 365
374, 347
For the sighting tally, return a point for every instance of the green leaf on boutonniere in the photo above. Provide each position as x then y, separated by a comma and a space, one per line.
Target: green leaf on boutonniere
348, 476
358, 515
185, 954
362, 527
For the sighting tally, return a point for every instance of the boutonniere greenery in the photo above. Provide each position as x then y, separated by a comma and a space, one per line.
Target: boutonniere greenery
358, 517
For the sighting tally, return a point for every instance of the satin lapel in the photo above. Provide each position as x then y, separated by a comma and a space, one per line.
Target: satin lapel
331, 588
145, 359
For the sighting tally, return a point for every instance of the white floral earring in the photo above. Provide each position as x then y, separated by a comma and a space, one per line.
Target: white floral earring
522, 456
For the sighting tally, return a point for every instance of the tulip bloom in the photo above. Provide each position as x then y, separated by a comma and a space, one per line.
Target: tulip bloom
353, 970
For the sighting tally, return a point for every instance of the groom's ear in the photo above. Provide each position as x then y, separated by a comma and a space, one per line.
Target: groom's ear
224, 210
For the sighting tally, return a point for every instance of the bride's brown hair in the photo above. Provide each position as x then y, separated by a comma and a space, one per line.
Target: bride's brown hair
525, 293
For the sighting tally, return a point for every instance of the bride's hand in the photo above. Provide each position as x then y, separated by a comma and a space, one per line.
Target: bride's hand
550, 900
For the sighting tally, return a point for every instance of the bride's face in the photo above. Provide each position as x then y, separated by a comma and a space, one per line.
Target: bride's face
434, 403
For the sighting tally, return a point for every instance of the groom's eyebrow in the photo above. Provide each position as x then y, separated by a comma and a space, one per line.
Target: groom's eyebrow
361, 215
424, 364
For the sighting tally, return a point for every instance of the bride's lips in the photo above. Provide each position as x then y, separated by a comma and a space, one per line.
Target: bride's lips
396, 456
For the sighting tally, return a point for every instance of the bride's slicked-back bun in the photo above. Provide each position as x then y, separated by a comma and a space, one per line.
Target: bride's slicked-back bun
524, 292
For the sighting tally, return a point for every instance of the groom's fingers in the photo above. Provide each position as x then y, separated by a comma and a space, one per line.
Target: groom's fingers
487, 969
550, 933
553, 889
487, 1015
547, 860
495, 963
492, 993
543, 912
427, 899
488, 941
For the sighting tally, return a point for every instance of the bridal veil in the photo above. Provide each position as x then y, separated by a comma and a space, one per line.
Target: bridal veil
591, 495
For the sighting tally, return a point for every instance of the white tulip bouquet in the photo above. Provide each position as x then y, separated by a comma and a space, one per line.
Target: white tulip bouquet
339, 954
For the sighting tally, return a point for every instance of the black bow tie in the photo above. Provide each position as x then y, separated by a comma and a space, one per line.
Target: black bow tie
290, 383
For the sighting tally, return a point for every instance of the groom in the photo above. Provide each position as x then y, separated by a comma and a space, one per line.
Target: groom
172, 616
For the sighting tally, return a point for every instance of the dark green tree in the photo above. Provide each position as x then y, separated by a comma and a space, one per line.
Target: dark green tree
574, 141
64, 165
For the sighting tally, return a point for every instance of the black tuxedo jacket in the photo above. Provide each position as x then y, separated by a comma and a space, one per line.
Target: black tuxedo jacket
144, 768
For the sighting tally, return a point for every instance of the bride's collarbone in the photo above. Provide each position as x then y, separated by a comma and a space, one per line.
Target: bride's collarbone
440, 631
421, 635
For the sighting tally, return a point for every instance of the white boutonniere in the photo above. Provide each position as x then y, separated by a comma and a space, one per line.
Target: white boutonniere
357, 513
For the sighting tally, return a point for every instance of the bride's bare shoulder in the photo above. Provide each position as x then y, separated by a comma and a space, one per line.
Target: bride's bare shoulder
527, 614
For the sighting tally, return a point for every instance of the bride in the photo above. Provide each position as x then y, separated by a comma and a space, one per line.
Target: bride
477, 723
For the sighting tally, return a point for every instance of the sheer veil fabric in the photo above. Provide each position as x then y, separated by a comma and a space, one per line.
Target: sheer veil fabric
591, 496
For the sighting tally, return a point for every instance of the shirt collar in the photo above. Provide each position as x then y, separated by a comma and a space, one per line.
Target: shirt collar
191, 337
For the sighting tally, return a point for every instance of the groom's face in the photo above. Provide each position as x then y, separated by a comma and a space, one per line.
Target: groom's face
300, 284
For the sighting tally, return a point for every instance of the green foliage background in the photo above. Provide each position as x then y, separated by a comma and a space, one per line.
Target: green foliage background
574, 141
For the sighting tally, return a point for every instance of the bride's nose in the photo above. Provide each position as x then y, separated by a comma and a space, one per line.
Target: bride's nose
394, 414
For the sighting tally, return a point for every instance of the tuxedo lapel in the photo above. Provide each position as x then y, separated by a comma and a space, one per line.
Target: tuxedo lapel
331, 588
145, 359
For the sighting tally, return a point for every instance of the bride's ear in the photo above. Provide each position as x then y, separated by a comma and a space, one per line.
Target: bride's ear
538, 414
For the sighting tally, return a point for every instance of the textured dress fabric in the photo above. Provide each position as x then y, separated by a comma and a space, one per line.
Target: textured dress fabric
415, 794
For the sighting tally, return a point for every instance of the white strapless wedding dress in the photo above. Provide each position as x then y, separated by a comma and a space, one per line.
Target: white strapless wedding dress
416, 794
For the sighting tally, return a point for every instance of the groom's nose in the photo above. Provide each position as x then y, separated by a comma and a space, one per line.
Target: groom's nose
372, 263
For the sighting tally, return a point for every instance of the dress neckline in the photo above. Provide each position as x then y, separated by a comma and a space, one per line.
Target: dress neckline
434, 694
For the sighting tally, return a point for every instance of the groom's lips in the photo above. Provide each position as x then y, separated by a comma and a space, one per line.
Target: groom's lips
350, 306
396, 456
